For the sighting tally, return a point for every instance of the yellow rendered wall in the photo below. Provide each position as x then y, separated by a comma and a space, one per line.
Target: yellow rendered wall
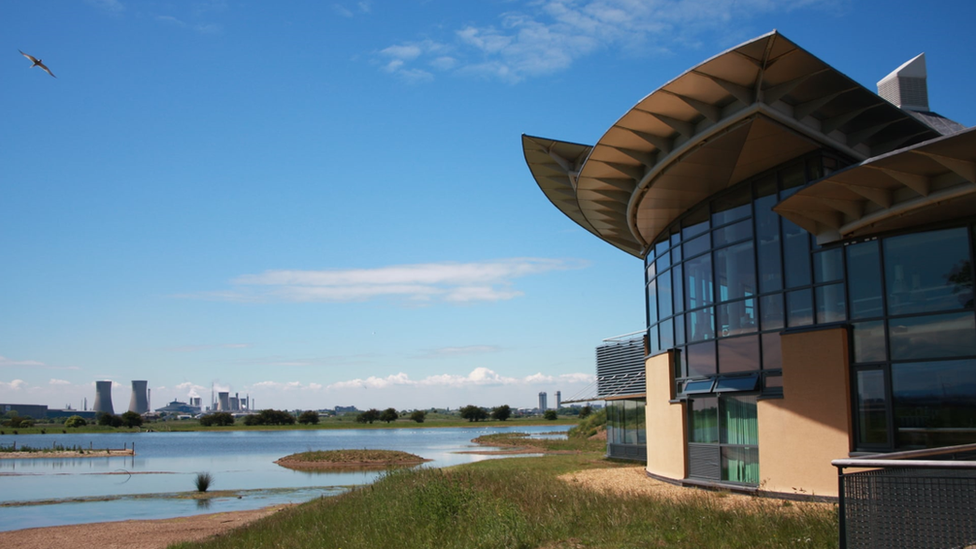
801, 433
666, 444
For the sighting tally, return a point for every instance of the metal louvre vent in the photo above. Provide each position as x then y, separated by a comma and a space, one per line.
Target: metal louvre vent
704, 461
620, 368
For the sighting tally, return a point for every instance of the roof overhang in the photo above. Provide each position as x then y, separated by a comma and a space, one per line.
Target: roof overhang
928, 182
733, 116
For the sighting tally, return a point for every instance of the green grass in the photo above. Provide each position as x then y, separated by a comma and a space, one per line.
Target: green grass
355, 456
520, 503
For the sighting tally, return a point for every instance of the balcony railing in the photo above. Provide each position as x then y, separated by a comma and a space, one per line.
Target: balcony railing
917, 499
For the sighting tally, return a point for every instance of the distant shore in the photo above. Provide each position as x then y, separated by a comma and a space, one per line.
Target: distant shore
40, 454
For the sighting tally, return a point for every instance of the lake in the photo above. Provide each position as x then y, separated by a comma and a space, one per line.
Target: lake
167, 463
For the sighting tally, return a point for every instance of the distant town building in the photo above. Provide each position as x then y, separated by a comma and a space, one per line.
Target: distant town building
543, 404
559, 399
177, 407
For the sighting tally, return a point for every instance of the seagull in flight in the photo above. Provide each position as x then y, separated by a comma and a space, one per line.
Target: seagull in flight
37, 63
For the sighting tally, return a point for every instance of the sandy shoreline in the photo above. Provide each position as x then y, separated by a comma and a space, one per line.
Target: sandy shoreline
96, 453
134, 534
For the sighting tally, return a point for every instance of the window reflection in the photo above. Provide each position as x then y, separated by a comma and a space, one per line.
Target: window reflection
735, 271
927, 272
872, 408
864, 264
698, 282
933, 336
934, 403
869, 341
738, 354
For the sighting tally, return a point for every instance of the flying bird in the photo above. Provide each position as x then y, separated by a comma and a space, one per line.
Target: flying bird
37, 63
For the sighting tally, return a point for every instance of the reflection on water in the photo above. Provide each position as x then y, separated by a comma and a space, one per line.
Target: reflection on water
241, 462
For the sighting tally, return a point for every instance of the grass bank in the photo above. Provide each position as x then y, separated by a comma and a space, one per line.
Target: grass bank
522, 503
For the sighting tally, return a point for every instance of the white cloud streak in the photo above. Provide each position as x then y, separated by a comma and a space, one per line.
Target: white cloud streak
478, 377
423, 283
549, 35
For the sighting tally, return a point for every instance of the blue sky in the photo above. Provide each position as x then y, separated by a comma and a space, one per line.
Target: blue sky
326, 203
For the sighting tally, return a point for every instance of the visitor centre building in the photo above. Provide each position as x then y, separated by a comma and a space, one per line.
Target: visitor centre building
808, 258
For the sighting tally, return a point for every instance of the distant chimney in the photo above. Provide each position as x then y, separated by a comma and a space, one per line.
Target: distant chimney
906, 86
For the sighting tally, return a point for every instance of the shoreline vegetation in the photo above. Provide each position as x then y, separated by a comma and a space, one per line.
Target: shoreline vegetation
349, 459
571, 497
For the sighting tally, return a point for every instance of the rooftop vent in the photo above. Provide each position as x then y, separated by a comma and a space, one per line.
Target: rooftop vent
906, 86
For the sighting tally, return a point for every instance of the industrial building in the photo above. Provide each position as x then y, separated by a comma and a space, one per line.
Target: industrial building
807, 247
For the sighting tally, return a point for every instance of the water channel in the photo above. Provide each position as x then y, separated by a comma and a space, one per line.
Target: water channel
142, 486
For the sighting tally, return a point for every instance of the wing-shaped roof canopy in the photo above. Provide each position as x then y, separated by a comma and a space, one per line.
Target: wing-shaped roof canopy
731, 117
932, 181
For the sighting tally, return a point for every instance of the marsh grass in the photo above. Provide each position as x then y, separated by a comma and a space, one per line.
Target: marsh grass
521, 503
203, 481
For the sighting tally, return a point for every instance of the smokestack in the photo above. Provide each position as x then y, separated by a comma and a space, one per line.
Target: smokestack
907, 86
139, 402
103, 397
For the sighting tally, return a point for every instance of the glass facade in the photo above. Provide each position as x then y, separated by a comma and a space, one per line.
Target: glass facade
625, 421
727, 277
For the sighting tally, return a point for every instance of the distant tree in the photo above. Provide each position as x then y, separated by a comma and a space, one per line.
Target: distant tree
309, 417
501, 413
74, 422
388, 415
419, 416
474, 413
109, 420
585, 411
550, 415
131, 419
218, 419
369, 416
250, 420
275, 417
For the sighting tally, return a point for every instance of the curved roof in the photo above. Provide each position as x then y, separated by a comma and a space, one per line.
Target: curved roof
924, 183
731, 117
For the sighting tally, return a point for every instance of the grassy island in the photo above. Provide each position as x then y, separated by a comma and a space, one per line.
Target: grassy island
349, 459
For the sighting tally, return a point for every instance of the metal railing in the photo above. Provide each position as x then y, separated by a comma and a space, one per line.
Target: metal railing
917, 499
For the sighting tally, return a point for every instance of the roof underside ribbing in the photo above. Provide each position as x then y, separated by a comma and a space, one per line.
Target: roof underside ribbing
732, 117
932, 181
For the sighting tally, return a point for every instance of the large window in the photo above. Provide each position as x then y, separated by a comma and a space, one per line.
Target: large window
914, 340
724, 432
625, 422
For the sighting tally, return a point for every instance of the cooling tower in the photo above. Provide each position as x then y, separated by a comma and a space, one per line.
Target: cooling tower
223, 402
103, 397
139, 403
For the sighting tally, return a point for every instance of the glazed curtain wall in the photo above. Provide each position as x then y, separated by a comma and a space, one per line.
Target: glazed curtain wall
730, 275
625, 422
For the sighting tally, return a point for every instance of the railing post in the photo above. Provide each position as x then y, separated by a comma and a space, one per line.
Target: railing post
842, 515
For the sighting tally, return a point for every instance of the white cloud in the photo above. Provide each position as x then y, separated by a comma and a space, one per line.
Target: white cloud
14, 385
447, 282
549, 35
9, 362
59, 382
477, 377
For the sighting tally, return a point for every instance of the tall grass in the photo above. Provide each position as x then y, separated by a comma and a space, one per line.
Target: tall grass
522, 504
203, 481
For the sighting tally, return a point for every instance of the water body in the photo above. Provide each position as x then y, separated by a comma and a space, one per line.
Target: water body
142, 486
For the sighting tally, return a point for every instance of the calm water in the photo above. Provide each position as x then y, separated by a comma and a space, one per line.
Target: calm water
168, 462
